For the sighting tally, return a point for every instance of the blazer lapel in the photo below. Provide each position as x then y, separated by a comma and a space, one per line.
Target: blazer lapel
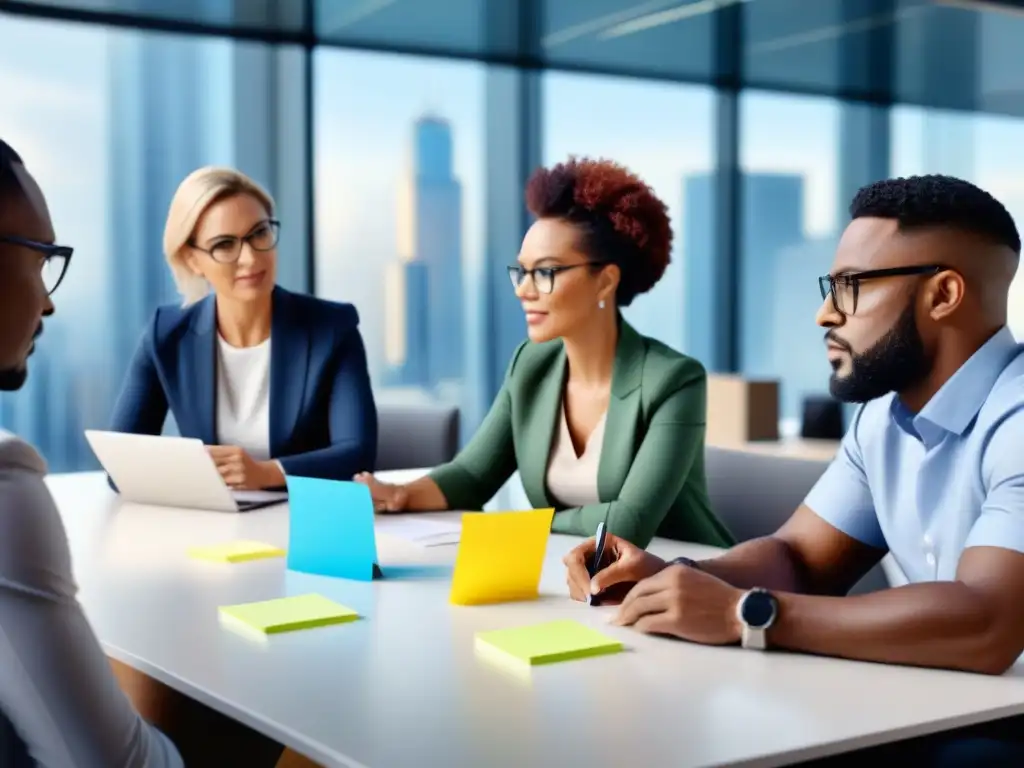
289, 360
537, 430
619, 445
200, 373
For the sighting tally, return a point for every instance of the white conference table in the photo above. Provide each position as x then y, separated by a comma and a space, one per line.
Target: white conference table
404, 687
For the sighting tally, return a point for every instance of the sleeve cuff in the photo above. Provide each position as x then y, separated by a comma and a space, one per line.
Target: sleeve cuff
457, 486
997, 529
859, 524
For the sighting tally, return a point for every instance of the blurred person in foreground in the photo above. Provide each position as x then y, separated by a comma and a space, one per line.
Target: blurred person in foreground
275, 383
603, 424
60, 704
931, 471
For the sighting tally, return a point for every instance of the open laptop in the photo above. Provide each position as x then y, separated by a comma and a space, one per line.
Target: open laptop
171, 472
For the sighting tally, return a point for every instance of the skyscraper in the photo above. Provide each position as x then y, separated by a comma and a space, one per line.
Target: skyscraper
425, 334
772, 220
157, 129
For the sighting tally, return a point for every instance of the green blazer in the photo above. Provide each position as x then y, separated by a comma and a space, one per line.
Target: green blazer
651, 473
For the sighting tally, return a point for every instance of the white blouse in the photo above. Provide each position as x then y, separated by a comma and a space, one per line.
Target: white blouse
572, 479
243, 397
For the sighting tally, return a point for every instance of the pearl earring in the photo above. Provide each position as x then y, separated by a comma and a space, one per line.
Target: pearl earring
600, 304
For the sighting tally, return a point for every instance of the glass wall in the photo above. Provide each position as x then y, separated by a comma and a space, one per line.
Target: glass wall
109, 122
663, 132
397, 137
982, 148
791, 219
399, 231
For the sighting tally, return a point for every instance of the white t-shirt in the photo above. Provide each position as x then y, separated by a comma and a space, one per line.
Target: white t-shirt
243, 397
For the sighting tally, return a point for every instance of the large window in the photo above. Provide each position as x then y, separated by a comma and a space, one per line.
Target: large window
412, 190
982, 149
279, 15
109, 122
661, 132
399, 158
791, 218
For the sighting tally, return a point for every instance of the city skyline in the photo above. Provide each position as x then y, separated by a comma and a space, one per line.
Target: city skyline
424, 329
109, 172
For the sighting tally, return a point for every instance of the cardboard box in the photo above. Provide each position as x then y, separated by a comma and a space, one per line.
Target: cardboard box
741, 410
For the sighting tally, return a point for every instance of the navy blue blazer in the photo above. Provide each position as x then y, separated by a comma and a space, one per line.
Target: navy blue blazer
323, 419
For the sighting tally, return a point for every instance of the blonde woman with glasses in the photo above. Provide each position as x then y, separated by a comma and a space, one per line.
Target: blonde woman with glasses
274, 382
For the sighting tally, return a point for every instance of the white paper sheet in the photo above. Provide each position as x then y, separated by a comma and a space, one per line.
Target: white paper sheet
426, 533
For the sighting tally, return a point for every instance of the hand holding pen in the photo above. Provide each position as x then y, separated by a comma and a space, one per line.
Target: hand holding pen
604, 572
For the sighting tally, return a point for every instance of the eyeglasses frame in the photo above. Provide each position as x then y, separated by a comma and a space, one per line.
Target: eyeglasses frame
49, 251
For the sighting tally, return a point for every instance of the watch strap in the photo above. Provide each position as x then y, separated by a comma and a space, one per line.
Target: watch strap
688, 562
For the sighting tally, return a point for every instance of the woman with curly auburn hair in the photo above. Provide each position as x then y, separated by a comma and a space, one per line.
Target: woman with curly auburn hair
602, 423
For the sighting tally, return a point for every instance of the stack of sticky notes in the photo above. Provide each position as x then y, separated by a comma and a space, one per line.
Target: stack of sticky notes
269, 617
236, 552
525, 647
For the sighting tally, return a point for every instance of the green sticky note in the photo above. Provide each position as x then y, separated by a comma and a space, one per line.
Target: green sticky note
236, 552
286, 614
545, 643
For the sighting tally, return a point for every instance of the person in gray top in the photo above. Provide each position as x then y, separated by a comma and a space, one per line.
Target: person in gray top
60, 705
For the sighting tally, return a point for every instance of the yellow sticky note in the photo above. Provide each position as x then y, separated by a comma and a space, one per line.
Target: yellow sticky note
544, 643
269, 617
236, 552
500, 557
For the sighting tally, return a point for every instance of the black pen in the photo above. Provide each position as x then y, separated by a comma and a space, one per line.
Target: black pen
595, 563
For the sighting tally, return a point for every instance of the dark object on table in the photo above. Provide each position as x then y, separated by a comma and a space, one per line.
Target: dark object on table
822, 419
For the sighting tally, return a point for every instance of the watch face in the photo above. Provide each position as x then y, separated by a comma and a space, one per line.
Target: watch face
758, 609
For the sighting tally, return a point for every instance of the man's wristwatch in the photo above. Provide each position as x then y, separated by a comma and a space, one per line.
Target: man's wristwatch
756, 610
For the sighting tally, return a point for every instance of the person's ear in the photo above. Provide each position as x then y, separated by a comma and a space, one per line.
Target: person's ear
608, 283
191, 261
944, 294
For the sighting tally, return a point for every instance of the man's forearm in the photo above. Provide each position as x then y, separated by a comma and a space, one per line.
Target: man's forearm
939, 624
766, 562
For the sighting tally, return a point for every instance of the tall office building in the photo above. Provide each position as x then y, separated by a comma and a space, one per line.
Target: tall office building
772, 220
157, 130
796, 348
424, 289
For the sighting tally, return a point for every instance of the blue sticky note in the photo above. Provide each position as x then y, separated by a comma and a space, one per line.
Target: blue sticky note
331, 529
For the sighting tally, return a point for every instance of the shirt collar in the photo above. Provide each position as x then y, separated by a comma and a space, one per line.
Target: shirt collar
954, 406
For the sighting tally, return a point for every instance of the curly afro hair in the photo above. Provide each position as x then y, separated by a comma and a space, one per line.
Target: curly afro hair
621, 220
926, 202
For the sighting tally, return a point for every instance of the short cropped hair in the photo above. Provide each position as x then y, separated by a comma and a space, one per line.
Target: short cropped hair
201, 189
620, 218
935, 201
10, 184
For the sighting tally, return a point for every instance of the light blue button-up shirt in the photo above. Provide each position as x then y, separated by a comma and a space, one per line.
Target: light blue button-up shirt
928, 486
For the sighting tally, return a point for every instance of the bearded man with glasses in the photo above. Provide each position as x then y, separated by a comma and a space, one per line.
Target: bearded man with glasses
930, 471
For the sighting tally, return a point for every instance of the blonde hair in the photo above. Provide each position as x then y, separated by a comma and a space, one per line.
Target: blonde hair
201, 189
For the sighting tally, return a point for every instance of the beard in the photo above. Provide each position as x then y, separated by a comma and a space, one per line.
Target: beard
12, 379
895, 363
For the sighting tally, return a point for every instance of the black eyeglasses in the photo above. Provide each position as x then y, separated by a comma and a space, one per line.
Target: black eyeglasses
544, 277
55, 259
228, 249
845, 288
